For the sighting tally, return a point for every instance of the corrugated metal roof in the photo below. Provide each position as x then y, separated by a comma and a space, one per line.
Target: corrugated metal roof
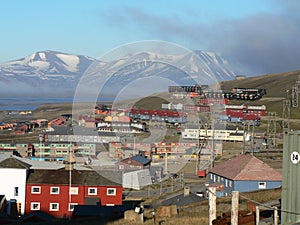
246, 167
11, 162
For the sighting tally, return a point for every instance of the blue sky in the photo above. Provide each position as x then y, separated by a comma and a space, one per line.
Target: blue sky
260, 33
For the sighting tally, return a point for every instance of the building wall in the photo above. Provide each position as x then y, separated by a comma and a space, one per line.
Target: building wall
82, 138
63, 198
190, 133
223, 135
44, 198
105, 197
241, 186
12, 178
129, 164
246, 186
137, 179
228, 184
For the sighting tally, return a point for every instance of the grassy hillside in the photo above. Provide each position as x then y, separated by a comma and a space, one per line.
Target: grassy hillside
276, 86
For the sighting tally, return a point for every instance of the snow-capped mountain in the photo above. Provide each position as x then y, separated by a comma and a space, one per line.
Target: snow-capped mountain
47, 73
47, 65
52, 73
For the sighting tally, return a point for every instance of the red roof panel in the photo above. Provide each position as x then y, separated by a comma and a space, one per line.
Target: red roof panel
246, 167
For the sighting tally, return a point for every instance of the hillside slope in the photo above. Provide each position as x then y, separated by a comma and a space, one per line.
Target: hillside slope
276, 86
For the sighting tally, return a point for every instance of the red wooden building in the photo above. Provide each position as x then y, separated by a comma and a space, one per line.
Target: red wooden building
239, 110
52, 192
136, 162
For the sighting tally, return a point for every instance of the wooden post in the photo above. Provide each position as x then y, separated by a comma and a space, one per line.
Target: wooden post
275, 216
257, 215
234, 208
212, 204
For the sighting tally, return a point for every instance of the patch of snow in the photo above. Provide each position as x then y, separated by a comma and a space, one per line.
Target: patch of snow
42, 55
39, 64
71, 61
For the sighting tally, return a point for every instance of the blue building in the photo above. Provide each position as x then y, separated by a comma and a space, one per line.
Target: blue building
243, 173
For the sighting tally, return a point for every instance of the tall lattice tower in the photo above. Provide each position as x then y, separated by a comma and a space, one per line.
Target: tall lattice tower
295, 94
271, 130
286, 114
248, 144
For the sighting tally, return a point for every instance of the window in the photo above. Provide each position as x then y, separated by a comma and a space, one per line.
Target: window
72, 206
54, 190
262, 185
111, 191
92, 191
16, 193
34, 206
35, 189
226, 183
74, 190
54, 206
230, 183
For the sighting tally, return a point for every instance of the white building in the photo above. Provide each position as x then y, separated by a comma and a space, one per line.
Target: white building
222, 135
190, 134
13, 175
137, 179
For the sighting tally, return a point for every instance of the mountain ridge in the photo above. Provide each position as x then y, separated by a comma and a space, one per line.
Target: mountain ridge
53, 72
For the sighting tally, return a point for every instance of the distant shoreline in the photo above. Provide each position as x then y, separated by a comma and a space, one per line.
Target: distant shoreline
31, 104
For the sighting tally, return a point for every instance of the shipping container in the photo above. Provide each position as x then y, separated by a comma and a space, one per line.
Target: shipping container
290, 196
201, 173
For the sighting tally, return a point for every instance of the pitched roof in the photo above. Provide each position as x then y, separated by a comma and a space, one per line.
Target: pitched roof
36, 164
181, 200
141, 159
12, 162
61, 177
246, 167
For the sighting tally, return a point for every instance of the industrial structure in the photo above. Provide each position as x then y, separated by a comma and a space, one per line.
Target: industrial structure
290, 207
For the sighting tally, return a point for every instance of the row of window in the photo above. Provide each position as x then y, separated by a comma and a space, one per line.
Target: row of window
72, 190
228, 183
52, 206
215, 178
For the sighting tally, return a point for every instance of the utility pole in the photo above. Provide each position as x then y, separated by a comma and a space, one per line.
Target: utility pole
257, 215
244, 139
166, 160
212, 204
234, 207
200, 146
212, 143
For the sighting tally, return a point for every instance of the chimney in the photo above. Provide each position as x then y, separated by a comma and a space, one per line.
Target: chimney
70, 161
186, 191
69, 166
